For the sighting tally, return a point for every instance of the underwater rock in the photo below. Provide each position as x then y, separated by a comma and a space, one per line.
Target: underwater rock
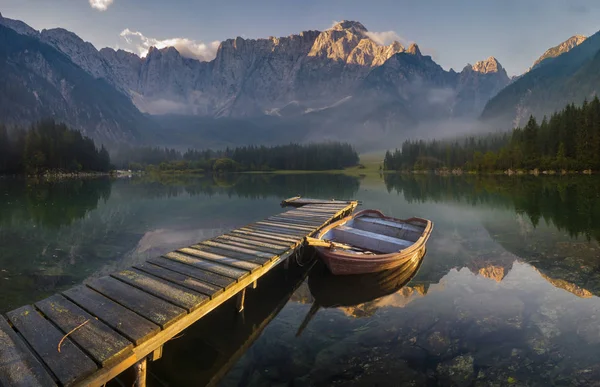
437, 344
458, 371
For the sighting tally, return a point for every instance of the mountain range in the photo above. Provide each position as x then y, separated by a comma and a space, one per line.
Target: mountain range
337, 83
567, 73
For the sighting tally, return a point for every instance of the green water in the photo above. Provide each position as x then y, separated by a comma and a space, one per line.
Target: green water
506, 295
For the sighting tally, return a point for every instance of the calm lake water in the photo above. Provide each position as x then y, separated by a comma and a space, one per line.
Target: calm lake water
506, 295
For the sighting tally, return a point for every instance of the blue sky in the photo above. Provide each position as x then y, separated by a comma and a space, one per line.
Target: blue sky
455, 33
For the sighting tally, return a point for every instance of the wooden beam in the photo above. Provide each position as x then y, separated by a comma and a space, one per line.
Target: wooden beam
241, 297
157, 354
140, 373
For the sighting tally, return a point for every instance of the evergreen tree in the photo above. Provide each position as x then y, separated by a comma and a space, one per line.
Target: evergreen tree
569, 139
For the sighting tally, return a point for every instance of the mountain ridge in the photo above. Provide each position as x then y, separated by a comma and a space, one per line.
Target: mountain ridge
41, 82
558, 50
568, 78
336, 82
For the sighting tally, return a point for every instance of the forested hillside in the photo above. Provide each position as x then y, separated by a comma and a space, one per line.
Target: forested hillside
48, 146
569, 140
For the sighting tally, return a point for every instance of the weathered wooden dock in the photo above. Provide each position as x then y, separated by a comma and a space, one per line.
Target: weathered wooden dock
91, 333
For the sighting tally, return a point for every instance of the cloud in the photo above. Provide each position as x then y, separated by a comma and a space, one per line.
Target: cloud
100, 5
384, 38
186, 47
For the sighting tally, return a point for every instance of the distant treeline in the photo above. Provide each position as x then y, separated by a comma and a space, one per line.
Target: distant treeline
49, 146
569, 140
330, 155
52, 147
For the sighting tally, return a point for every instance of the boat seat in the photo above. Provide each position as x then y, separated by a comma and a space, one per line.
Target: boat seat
389, 223
369, 240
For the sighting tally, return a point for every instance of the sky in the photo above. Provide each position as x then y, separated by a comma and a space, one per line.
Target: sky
453, 32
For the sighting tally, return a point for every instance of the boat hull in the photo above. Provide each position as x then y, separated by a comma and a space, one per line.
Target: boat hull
343, 265
341, 262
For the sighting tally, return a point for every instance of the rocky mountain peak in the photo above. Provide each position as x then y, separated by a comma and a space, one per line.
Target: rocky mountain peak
396, 46
413, 49
82, 53
348, 25
562, 48
488, 66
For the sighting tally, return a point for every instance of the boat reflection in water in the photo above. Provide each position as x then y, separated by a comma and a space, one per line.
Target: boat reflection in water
331, 291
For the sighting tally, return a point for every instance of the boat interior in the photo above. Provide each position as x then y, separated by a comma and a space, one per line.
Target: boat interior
375, 235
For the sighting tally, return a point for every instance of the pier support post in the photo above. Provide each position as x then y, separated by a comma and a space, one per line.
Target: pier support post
140, 373
240, 300
156, 354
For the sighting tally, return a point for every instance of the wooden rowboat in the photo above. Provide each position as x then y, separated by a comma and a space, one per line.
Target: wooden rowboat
369, 242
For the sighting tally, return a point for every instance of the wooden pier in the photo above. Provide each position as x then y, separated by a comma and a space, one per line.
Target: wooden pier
91, 333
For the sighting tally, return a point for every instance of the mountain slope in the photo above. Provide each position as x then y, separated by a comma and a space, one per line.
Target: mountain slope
555, 51
570, 77
38, 82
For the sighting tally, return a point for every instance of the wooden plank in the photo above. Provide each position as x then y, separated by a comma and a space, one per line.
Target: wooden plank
333, 208
290, 220
271, 236
104, 375
101, 343
277, 230
275, 233
302, 213
386, 227
193, 272
225, 270
322, 203
252, 246
18, 365
228, 253
306, 215
70, 364
264, 237
228, 246
320, 219
273, 223
131, 325
260, 242
283, 242
153, 308
368, 240
290, 225
218, 258
180, 279
168, 291
317, 211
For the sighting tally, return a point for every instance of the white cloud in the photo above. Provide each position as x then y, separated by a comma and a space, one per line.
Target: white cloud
100, 5
384, 38
186, 47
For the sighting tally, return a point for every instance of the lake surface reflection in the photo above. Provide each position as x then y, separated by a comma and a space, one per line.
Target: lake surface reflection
506, 295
